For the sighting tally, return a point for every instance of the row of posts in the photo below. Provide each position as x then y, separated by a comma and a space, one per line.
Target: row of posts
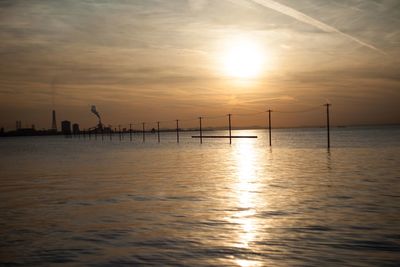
89, 133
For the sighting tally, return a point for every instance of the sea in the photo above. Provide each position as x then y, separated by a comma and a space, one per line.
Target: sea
101, 202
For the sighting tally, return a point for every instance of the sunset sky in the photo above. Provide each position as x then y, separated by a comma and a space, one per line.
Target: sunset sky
152, 60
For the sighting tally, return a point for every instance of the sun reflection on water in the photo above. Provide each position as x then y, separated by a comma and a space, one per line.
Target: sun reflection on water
245, 190
247, 263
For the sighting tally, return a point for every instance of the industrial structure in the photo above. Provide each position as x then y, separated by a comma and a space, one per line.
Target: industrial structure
54, 122
99, 128
66, 127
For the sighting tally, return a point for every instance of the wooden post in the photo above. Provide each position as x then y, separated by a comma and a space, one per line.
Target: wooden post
102, 134
328, 125
177, 131
90, 134
110, 133
95, 134
201, 132
84, 135
144, 138
119, 131
130, 132
158, 131
230, 129
270, 127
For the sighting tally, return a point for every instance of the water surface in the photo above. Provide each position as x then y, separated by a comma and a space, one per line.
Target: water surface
79, 202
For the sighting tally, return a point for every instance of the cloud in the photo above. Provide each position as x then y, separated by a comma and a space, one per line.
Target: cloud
197, 4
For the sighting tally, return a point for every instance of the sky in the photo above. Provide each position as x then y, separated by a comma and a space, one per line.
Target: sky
153, 60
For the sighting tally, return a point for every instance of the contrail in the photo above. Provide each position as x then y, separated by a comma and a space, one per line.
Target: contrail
311, 21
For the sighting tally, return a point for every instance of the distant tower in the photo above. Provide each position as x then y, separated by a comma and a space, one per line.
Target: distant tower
54, 122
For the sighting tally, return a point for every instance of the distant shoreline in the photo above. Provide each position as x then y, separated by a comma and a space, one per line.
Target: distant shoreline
31, 132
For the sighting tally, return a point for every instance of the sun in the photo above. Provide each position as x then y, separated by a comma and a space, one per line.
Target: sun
243, 59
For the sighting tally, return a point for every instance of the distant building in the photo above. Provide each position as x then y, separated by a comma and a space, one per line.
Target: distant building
66, 127
75, 128
18, 125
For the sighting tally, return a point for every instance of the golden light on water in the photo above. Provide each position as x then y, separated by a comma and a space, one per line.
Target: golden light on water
245, 187
246, 173
243, 58
248, 263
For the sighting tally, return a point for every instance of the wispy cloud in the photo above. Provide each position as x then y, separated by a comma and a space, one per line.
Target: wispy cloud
312, 21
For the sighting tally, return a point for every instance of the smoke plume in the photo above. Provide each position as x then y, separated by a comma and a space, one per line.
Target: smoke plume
94, 111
